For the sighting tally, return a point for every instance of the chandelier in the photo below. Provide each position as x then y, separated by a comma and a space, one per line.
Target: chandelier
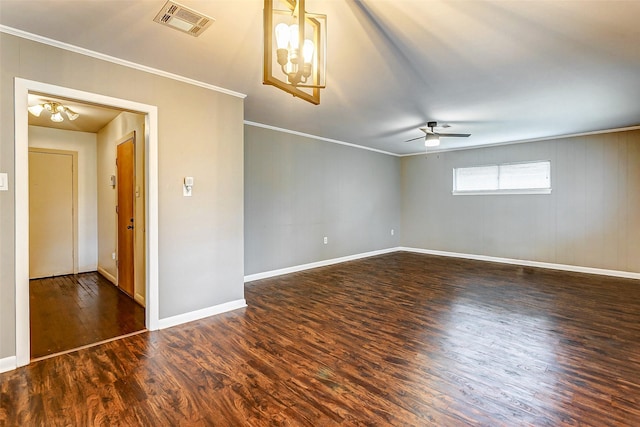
55, 109
294, 49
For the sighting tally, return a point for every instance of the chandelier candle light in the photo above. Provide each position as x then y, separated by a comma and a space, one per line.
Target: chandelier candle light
294, 49
55, 109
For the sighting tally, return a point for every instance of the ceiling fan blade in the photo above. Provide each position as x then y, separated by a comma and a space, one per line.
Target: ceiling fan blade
458, 135
409, 140
427, 130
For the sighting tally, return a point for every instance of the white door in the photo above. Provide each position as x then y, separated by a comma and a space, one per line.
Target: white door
51, 212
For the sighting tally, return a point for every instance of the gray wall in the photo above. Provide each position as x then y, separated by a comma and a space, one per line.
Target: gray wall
591, 219
298, 190
200, 134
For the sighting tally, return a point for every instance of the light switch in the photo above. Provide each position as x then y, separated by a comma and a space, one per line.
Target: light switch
4, 182
187, 186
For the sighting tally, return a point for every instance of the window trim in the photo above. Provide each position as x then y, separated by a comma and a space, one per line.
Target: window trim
501, 192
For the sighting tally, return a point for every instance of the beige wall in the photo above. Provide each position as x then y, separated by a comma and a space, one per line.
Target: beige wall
108, 137
200, 134
591, 218
84, 143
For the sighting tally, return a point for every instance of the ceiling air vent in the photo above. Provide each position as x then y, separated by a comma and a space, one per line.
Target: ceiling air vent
181, 18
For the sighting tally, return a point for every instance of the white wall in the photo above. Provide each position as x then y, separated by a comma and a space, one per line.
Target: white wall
85, 144
591, 218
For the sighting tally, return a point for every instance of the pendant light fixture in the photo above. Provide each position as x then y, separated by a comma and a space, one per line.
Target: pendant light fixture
55, 109
294, 49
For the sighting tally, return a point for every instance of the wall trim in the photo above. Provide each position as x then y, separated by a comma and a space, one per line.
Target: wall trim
179, 319
139, 299
110, 277
547, 265
522, 141
21, 208
324, 263
114, 60
319, 138
540, 264
8, 364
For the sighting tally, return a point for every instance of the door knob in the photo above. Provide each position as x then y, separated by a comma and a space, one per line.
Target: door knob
130, 227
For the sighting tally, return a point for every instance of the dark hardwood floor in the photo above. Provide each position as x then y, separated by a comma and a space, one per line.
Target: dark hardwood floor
400, 339
72, 311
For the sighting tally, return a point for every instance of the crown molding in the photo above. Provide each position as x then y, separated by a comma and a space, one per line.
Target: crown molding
320, 138
522, 141
114, 60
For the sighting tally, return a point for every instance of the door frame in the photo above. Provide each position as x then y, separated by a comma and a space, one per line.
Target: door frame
74, 192
22, 88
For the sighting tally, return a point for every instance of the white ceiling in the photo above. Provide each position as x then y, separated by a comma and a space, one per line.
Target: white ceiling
500, 70
91, 118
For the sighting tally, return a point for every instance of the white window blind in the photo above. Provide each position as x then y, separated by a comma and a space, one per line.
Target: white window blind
507, 178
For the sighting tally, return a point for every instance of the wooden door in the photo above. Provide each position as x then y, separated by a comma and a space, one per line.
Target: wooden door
52, 212
125, 163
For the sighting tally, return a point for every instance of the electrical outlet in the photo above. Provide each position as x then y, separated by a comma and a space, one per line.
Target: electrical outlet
113, 255
326, 240
392, 231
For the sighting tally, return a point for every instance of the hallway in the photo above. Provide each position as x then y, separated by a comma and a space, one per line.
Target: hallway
68, 312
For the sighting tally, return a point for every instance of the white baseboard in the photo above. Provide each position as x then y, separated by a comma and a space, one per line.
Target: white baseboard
549, 265
87, 269
108, 276
139, 299
200, 314
8, 364
287, 270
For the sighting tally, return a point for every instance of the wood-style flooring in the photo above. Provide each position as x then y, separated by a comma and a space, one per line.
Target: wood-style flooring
72, 311
395, 340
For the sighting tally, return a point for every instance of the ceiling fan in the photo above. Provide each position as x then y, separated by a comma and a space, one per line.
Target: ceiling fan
432, 138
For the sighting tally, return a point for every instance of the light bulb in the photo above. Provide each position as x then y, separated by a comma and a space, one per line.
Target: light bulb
432, 140
307, 51
71, 114
289, 68
282, 35
56, 117
36, 110
294, 38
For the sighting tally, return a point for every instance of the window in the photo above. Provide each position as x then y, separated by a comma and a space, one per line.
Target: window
506, 178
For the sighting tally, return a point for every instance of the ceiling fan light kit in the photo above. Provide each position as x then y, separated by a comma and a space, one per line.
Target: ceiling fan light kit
55, 109
432, 138
294, 49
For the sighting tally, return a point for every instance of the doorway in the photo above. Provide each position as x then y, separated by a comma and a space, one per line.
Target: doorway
22, 89
67, 310
70, 310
